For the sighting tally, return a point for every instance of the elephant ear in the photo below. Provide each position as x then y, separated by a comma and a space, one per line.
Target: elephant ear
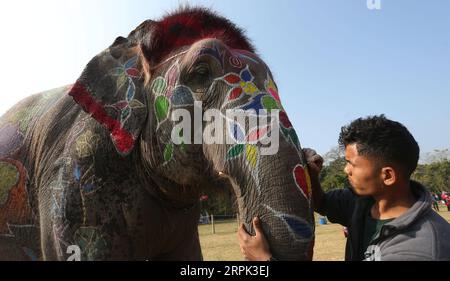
111, 90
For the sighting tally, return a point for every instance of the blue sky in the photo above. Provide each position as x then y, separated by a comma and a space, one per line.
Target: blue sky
333, 60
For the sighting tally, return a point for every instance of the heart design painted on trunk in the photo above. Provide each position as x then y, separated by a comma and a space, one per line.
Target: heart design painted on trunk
300, 178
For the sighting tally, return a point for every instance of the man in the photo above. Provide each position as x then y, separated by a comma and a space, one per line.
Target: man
388, 216
435, 201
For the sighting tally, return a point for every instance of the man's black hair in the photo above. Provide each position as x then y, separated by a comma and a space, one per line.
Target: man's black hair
386, 140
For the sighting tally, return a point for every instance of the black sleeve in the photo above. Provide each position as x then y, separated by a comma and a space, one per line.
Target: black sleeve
339, 205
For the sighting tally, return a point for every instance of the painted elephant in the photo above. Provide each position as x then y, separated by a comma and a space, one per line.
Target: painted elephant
99, 170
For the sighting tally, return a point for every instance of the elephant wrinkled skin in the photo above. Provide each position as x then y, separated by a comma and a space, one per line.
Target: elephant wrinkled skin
91, 169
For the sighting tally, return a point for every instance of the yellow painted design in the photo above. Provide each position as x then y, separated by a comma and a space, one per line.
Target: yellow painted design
249, 87
308, 180
9, 176
270, 84
86, 144
252, 155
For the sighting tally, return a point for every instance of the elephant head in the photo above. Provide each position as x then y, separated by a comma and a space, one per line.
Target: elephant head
194, 67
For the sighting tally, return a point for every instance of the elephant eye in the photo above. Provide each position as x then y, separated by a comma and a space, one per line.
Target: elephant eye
200, 77
202, 69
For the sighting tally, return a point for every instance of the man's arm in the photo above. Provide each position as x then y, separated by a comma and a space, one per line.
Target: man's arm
338, 204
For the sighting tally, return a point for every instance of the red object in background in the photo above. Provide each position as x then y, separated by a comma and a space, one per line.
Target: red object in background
203, 197
345, 230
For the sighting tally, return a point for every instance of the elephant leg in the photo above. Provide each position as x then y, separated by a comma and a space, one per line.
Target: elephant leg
64, 239
187, 250
60, 210
95, 228
54, 227
185, 241
191, 251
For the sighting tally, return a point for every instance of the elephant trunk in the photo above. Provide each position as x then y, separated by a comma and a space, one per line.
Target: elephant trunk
277, 190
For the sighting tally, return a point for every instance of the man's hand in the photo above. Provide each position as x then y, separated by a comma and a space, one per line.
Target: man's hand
254, 248
314, 161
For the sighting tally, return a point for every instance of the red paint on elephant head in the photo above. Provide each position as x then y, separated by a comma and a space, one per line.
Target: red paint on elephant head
184, 28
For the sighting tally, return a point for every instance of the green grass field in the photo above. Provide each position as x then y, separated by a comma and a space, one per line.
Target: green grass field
223, 245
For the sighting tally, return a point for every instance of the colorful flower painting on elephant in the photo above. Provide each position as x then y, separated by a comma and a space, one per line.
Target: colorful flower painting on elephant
14, 201
11, 139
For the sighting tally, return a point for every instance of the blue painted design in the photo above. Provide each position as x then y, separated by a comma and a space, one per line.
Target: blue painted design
77, 173
57, 207
214, 52
246, 75
255, 103
130, 92
182, 96
30, 253
236, 131
88, 187
298, 227
130, 63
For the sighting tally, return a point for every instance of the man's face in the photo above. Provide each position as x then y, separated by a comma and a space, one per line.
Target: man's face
363, 172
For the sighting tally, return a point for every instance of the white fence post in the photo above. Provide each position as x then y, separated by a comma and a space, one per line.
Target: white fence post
212, 224
238, 221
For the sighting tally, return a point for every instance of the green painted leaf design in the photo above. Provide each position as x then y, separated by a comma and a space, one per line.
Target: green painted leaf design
161, 108
291, 136
235, 151
269, 103
121, 80
125, 114
295, 140
159, 86
92, 243
182, 144
183, 147
9, 175
168, 152
117, 71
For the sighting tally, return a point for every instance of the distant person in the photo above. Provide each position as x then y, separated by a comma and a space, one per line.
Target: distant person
388, 215
443, 197
345, 230
435, 201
